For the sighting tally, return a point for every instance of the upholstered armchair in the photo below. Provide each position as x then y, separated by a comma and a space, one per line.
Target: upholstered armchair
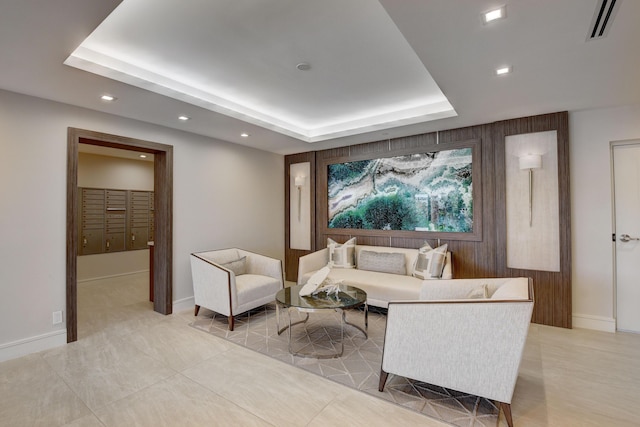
232, 281
467, 335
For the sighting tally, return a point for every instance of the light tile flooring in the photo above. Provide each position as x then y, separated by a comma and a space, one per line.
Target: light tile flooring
134, 367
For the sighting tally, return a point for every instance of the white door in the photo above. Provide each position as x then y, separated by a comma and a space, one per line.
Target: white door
626, 169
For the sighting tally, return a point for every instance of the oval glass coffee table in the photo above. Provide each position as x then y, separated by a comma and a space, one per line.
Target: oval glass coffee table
348, 297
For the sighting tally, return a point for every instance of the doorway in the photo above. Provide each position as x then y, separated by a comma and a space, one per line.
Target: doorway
163, 203
626, 202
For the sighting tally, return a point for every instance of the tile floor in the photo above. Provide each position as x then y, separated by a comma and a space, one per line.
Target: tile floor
134, 367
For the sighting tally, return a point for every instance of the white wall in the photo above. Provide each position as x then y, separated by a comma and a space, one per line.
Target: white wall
97, 171
100, 266
224, 195
590, 133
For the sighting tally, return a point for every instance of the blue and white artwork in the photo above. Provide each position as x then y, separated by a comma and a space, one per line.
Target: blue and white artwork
416, 192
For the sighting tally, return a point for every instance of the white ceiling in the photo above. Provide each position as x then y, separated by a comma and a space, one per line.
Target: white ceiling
367, 59
240, 59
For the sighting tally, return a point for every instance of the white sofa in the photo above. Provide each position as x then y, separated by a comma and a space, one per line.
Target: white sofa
232, 281
380, 287
469, 345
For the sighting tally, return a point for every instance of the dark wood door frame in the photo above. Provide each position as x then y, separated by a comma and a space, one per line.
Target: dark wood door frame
163, 241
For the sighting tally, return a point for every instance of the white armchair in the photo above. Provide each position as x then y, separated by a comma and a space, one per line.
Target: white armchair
469, 345
232, 281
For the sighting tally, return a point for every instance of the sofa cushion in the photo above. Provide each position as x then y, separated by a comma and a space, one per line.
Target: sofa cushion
430, 262
341, 255
379, 286
384, 262
252, 287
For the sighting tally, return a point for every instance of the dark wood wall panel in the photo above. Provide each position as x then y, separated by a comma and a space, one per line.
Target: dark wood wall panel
370, 149
331, 153
552, 289
412, 142
485, 257
374, 240
163, 237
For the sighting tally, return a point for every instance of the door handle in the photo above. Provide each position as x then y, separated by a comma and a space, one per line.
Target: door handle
627, 238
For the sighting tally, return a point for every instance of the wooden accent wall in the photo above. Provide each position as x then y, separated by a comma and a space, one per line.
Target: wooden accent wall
480, 258
552, 289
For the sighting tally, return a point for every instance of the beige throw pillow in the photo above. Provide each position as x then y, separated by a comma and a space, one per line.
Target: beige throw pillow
383, 262
238, 266
341, 255
480, 292
430, 262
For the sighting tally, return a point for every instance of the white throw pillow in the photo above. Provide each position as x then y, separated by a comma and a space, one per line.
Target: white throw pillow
513, 289
341, 255
480, 292
430, 262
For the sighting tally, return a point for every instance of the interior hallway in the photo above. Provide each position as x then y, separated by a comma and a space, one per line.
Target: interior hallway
134, 367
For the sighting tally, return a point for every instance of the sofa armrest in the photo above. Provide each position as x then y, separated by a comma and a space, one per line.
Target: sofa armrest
214, 286
459, 288
468, 345
312, 262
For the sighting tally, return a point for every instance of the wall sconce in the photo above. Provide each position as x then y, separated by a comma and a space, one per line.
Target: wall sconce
530, 162
299, 183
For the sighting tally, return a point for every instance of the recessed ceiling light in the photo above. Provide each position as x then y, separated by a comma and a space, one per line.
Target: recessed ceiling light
183, 118
108, 98
492, 15
244, 135
143, 156
503, 70
303, 66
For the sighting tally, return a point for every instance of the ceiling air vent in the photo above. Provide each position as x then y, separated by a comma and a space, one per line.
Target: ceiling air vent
602, 18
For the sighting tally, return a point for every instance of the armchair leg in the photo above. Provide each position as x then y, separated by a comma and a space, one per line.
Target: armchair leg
197, 310
383, 380
506, 408
231, 323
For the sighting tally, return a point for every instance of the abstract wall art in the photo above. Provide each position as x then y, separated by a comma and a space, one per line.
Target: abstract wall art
429, 191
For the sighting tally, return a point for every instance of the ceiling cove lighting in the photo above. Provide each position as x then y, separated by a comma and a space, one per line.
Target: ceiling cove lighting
108, 98
494, 14
183, 118
412, 95
503, 70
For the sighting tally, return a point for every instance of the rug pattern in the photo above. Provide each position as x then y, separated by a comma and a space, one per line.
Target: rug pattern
359, 366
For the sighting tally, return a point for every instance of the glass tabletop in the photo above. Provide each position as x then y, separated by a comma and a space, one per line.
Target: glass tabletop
348, 296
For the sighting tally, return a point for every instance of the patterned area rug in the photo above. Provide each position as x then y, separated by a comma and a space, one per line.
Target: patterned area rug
359, 365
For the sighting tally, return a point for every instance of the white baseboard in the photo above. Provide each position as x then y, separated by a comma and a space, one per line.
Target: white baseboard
184, 304
57, 338
91, 279
597, 323
30, 345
